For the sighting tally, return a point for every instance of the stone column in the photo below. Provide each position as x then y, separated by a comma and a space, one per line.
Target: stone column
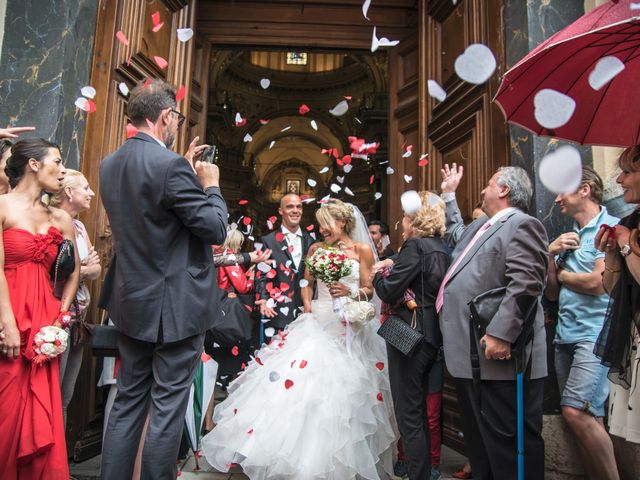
45, 61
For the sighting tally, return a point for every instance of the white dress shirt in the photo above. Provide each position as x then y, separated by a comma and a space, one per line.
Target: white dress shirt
295, 239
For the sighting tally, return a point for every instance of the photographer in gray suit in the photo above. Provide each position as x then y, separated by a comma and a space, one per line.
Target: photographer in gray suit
165, 213
504, 248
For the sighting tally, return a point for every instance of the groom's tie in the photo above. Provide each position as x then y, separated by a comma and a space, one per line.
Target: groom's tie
440, 298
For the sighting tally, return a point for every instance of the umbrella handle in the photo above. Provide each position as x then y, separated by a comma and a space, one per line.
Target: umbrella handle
520, 422
261, 339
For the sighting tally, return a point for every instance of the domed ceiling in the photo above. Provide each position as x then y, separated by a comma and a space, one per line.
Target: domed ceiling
269, 145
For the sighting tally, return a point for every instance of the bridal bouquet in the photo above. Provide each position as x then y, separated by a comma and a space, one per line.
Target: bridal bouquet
329, 264
48, 343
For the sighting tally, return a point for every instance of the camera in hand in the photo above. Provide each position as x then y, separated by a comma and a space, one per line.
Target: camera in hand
209, 155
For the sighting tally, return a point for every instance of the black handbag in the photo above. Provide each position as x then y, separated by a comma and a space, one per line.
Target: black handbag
104, 340
232, 325
65, 262
483, 308
400, 335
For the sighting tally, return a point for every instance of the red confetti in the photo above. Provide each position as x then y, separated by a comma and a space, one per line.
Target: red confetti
243, 366
234, 351
423, 161
258, 361
279, 237
273, 219
249, 308
335, 153
155, 18
347, 97
339, 162
291, 248
303, 363
293, 363
179, 472
271, 273
243, 202
371, 179
131, 130
91, 106
379, 397
303, 109
380, 366
181, 93
241, 122
122, 38
246, 220
235, 410
346, 159
205, 357
288, 384
161, 62
250, 432
147, 82
156, 28
311, 227
284, 287
264, 122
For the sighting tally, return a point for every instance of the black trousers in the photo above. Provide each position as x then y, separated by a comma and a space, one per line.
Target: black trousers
409, 378
490, 429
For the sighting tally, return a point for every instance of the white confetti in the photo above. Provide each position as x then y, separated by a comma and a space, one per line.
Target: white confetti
381, 42
264, 267
271, 303
303, 283
377, 196
184, 34
553, 109
308, 200
88, 91
605, 70
286, 128
82, 104
311, 182
284, 311
365, 8
265, 83
340, 109
476, 64
436, 91
324, 170
269, 331
239, 118
258, 246
561, 171
314, 125
390, 171
335, 188
347, 168
407, 154
247, 138
408, 178
273, 142
411, 202
635, 6
348, 191
340, 179
124, 90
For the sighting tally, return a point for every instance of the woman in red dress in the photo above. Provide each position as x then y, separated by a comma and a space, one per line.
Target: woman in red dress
32, 441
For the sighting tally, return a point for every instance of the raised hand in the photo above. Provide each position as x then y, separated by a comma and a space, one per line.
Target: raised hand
13, 132
195, 151
451, 177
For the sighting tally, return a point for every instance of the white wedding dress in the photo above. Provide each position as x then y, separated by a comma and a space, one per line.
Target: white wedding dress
306, 410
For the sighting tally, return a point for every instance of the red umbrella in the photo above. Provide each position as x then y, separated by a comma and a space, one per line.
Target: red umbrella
608, 116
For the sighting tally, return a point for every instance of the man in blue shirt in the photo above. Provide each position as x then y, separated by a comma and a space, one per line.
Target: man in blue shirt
575, 281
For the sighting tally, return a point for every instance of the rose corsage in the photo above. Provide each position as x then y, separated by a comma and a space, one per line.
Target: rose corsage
48, 343
65, 319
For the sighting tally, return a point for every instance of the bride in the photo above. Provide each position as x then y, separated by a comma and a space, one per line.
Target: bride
307, 407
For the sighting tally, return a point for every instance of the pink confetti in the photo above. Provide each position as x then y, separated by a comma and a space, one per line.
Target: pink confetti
303, 363
131, 130
304, 109
161, 62
122, 38
243, 202
234, 351
288, 384
181, 93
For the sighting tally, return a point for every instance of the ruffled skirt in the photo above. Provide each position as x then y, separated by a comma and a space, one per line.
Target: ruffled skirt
306, 410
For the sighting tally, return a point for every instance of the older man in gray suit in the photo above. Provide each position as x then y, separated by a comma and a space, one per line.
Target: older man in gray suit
505, 248
165, 213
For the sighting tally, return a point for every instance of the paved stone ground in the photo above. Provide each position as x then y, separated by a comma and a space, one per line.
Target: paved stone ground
89, 470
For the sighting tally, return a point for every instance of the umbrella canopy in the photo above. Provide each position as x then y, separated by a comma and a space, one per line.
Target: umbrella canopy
564, 62
201, 390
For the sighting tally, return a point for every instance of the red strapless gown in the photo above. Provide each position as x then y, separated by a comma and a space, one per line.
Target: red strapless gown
32, 441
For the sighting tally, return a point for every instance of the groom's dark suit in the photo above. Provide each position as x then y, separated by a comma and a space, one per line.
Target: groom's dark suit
286, 273
164, 297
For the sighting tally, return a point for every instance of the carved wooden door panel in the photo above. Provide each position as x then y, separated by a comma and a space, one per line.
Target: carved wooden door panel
466, 128
114, 62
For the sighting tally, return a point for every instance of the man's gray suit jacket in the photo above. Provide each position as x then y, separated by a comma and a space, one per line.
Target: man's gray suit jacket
163, 226
511, 253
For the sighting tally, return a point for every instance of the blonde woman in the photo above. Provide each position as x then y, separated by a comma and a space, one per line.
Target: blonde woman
305, 408
75, 197
411, 287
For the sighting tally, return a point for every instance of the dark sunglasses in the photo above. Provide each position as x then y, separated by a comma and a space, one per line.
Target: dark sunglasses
181, 117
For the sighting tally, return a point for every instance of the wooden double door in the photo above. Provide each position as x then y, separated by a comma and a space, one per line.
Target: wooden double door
466, 128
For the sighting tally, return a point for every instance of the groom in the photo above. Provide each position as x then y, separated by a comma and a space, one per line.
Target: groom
289, 245
164, 212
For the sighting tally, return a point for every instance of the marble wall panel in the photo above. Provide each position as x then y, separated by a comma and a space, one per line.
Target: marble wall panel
45, 61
